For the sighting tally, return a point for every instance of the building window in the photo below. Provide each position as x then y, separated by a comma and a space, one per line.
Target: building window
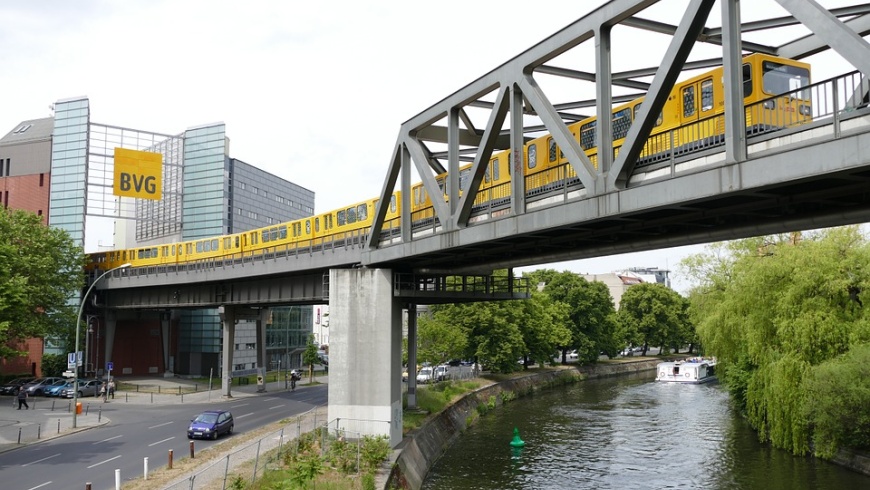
41, 180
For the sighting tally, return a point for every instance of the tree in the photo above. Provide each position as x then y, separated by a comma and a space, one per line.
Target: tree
40, 270
309, 357
783, 308
653, 314
591, 313
439, 341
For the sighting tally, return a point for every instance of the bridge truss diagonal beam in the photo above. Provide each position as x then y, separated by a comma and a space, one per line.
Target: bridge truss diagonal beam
449, 123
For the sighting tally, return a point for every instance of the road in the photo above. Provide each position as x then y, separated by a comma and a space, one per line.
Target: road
137, 431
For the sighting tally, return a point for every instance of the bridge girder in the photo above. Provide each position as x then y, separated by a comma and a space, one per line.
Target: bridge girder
465, 142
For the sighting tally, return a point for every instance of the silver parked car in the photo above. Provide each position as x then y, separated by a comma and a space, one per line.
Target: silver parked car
39, 386
88, 387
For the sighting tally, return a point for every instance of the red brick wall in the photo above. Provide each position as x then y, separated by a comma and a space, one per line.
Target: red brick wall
25, 192
24, 365
138, 347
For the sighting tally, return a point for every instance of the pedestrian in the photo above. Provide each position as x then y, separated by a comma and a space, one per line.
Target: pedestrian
22, 398
103, 393
112, 389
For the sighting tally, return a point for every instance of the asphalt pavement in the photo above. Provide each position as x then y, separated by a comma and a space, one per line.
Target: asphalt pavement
48, 418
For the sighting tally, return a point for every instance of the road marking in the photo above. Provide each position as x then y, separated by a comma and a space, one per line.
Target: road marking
239, 405
104, 462
276, 406
160, 425
245, 415
40, 486
164, 440
39, 460
109, 439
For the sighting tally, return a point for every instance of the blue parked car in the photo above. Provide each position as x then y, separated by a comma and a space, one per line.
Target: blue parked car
55, 390
210, 424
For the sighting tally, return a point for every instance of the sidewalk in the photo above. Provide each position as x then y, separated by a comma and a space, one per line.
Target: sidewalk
49, 418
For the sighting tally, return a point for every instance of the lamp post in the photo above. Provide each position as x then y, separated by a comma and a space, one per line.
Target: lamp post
78, 322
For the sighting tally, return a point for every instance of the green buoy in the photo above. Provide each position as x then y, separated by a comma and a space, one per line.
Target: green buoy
517, 442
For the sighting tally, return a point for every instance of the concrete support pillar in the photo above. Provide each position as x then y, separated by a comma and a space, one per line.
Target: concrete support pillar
165, 332
111, 321
412, 356
365, 353
262, 358
228, 318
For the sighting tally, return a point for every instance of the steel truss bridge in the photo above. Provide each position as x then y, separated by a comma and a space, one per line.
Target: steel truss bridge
805, 175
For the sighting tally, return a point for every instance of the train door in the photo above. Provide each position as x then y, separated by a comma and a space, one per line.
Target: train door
696, 103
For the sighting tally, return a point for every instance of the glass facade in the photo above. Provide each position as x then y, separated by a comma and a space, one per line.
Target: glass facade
287, 336
206, 183
69, 157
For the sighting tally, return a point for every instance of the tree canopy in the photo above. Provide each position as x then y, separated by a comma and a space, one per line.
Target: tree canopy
779, 314
653, 314
40, 270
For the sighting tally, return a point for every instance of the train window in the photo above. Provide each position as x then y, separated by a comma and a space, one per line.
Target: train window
308, 227
688, 101
442, 185
393, 203
621, 123
554, 151
341, 218
154, 252
173, 251
273, 234
362, 212
777, 78
486, 175
747, 80
254, 238
206, 246
463, 179
495, 173
198, 247
282, 232
637, 114
237, 242
351, 215
533, 156
265, 234
416, 196
587, 135
706, 95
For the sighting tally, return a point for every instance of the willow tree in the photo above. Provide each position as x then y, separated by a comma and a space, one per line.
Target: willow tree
785, 308
40, 269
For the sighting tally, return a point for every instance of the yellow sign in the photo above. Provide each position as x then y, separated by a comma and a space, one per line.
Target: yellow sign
138, 174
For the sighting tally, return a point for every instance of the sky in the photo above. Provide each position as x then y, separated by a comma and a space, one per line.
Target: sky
314, 92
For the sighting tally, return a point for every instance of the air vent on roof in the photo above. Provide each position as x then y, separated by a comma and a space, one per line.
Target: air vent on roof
23, 128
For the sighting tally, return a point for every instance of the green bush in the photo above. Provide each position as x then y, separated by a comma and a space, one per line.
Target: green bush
374, 451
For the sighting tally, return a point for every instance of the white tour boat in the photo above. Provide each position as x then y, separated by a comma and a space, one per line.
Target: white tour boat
695, 370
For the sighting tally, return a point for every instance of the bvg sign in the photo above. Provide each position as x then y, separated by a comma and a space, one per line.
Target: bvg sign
138, 174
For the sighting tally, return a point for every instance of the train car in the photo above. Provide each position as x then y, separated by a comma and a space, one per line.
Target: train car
775, 97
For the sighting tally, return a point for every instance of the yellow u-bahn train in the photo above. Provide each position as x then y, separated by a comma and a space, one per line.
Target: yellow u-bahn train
775, 95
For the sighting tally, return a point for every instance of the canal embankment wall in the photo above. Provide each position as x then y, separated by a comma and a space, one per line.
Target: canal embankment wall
421, 448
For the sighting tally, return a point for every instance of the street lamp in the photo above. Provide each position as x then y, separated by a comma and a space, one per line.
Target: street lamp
78, 322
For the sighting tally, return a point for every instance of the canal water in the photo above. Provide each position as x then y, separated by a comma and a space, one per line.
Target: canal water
626, 433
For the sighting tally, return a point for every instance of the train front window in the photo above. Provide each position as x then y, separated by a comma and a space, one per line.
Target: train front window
777, 79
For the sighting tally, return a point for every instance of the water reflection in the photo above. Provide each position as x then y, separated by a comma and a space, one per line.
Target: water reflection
628, 432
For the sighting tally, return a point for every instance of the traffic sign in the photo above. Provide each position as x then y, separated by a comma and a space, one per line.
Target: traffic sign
110, 365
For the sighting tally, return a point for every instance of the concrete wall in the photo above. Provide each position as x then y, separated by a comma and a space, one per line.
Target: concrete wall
420, 449
365, 353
